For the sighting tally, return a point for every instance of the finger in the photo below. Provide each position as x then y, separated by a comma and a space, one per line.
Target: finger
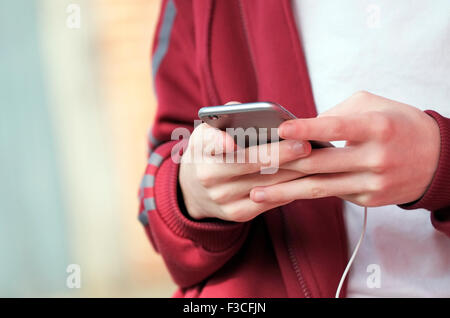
327, 128
313, 187
257, 158
330, 160
239, 187
245, 210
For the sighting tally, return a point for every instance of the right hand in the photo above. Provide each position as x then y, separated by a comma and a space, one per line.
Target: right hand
221, 190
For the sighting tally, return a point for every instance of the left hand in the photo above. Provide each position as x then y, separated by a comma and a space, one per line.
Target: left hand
390, 157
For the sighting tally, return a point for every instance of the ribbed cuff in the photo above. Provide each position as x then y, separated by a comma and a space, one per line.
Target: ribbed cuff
214, 236
437, 196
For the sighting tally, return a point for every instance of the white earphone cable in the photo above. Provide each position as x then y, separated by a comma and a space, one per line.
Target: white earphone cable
350, 262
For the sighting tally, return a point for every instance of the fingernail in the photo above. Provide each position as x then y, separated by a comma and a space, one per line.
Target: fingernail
298, 147
259, 195
286, 129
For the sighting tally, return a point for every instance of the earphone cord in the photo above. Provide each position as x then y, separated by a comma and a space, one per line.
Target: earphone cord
350, 262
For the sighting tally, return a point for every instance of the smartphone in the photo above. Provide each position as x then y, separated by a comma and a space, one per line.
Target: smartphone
257, 115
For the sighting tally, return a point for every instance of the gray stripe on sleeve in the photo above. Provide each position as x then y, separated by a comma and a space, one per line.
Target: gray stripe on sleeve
155, 142
143, 218
164, 36
155, 159
149, 204
148, 181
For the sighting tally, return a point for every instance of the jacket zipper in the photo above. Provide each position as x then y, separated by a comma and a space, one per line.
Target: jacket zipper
293, 260
247, 39
298, 273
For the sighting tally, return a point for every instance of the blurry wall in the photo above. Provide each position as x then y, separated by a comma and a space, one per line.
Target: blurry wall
33, 241
76, 107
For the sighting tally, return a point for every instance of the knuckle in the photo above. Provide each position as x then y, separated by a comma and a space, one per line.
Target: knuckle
198, 131
338, 128
362, 200
205, 177
372, 201
379, 162
317, 192
361, 95
383, 125
204, 134
379, 184
218, 195
306, 166
235, 214
366, 200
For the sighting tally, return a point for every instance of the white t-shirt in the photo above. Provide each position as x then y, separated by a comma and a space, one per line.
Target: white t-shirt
400, 50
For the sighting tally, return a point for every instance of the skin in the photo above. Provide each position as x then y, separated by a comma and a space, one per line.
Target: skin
221, 190
391, 154
390, 157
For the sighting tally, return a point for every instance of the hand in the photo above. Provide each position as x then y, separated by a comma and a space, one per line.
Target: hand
390, 157
214, 189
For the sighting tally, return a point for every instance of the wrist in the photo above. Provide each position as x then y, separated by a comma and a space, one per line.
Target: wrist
437, 196
188, 200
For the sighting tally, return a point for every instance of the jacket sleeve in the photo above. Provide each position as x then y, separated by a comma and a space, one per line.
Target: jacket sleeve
437, 197
192, 250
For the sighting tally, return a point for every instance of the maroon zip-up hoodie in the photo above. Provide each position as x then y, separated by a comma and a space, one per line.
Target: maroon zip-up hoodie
210, 52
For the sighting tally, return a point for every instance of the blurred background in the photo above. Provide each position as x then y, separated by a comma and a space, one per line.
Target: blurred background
76, 103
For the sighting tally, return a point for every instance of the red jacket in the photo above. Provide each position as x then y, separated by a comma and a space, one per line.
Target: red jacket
207, 53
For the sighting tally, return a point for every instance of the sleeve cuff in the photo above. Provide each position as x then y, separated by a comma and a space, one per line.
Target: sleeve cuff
214, 236
437, 196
